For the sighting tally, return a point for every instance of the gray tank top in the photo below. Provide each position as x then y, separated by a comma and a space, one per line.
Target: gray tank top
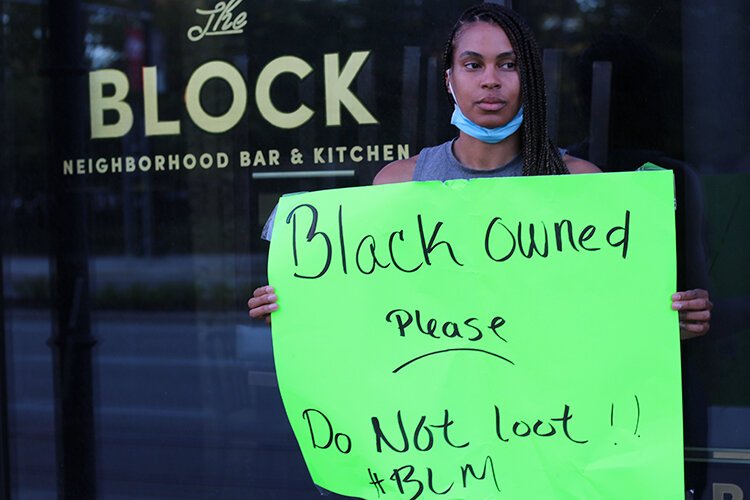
439, 164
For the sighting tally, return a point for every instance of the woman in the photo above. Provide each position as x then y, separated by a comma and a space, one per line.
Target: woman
493, 74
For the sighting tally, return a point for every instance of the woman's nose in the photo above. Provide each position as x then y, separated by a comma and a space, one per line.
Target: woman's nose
490, 79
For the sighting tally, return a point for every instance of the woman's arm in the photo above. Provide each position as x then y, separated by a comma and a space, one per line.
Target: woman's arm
397, 171
579, 166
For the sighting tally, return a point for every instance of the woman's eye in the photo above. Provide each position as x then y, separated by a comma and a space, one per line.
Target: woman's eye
472, 65
509, 65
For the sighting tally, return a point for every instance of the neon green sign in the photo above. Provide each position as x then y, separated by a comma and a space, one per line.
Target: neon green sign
498, 338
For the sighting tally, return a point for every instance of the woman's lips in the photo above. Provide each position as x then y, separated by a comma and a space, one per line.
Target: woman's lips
491, 104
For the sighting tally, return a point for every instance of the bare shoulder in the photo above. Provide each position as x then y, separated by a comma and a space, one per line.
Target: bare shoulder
397, 171
579, 166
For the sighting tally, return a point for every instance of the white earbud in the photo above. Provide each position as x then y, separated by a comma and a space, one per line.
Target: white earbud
450, 89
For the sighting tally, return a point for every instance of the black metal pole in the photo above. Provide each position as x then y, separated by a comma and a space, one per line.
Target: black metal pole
4, 433
71, 341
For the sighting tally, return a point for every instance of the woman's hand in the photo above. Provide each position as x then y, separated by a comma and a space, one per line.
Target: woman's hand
262, 303
695, 312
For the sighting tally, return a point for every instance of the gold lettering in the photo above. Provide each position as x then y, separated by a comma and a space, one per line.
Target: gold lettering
273, 157
280, 65
337, 89
221, 24
144, 163
341, 150
206, 161
373, 153
244, 158
318, 156
188, 161
356, 154
115, 165
388, 152
98, 103
228, 73
222, 160
151, 107
174, 162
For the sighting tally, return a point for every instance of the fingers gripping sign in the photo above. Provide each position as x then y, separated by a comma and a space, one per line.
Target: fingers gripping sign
262, 303
694, 308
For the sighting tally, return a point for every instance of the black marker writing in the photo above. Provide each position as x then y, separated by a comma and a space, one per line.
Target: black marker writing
423, 437
342, 441
466, 330
501, 243
431, 486
396, 476
468, 469
311, 235
456, 349
522, 429
376, 481
370, 254
409, 481
428, 248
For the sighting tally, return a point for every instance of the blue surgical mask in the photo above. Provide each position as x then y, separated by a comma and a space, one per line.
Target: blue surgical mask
484, 134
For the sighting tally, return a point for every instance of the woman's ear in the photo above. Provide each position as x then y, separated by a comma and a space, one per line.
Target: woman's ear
448, 83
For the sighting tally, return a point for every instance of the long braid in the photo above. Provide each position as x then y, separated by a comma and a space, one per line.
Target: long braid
540, 156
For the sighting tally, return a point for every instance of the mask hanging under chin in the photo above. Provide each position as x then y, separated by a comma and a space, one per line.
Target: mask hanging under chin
484, 134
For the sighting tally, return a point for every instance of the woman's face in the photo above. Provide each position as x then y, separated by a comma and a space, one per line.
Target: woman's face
483, 76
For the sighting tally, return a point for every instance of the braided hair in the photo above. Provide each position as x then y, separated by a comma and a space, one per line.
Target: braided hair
540, 156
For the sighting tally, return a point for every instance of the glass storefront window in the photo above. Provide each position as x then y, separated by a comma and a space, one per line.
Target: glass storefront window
145, 143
